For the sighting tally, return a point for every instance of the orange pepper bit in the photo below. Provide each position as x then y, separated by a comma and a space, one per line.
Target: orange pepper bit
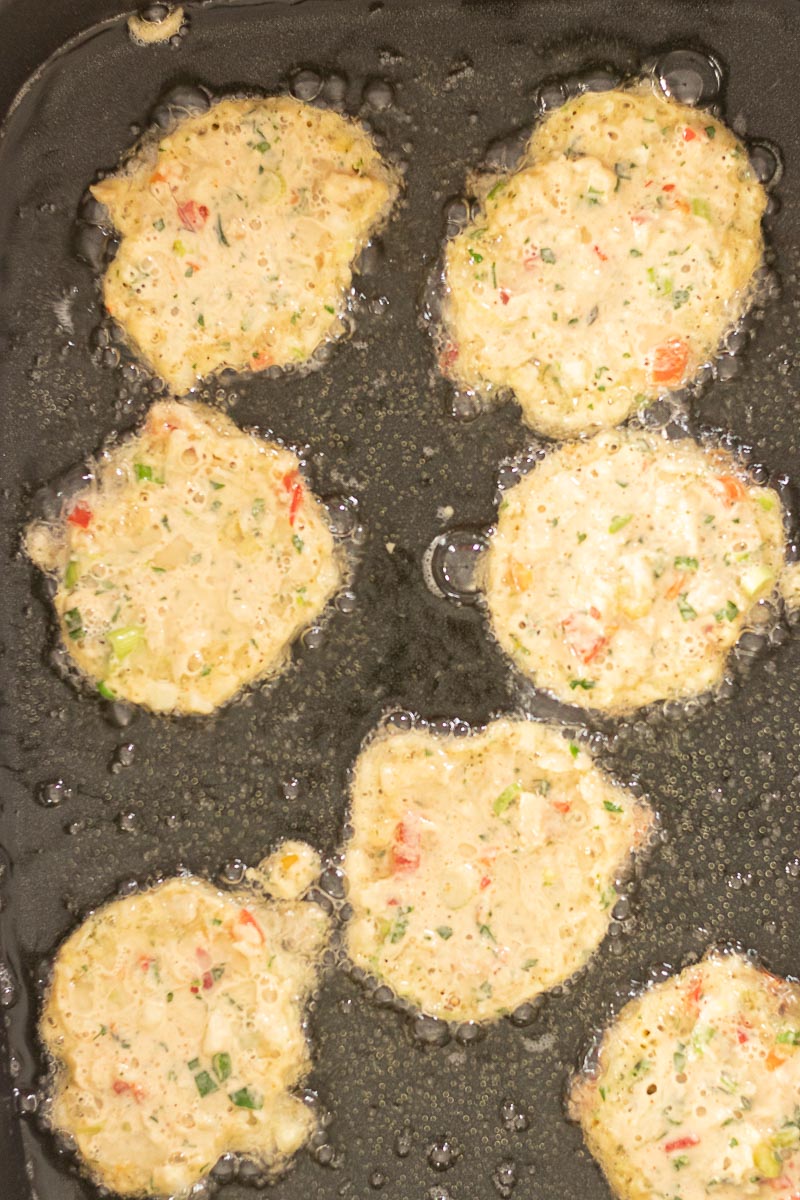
669, 361
774, 1060
676, 587
733, 489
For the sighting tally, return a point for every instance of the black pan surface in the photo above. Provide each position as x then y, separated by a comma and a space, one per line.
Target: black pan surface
200, 792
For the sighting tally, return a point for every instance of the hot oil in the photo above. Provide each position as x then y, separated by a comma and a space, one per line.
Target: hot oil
723, 776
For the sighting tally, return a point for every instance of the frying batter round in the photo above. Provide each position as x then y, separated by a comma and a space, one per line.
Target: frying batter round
625, 567
238, 230
481, 869
189, 564
696, 1093
606, 269
175, 1020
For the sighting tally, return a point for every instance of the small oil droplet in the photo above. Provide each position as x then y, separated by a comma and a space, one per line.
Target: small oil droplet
51, 795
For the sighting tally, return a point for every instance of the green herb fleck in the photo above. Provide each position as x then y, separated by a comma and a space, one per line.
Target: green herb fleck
74, 623
506, 798
685, 608
205, 1084
618, 523
244, 1098
221, 1066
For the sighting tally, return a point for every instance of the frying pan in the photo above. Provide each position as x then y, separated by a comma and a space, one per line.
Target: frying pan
403, 1119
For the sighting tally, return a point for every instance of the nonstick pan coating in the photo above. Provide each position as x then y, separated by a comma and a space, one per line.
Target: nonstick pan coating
202, 792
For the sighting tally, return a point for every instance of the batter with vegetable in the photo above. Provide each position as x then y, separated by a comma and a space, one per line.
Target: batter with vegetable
696, 1090
623, 568
607, 267
481, 869
189, 564
174, 1019
239, 229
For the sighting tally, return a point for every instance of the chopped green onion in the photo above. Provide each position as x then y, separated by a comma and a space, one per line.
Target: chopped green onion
547, 255
685, 608
71, 574
700, 208
610, 806
474, 257
105, 691
688, 564
74, 623
586, 684
444, 932
244, 1098
221, 1064
125, 640
728, 613
221, 232
618, 523
506, 798
298, 543
205, 1084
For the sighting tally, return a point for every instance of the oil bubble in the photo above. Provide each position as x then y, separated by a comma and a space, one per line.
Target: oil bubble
290, 788
342, 515
378, 95
525, 1014
403, 1142
305, 85
503, 154
432, 1031
313, 638
450, 565
51, 795
232, 872
182, 100
465, 405
334, 90
333, 883
766, 162
596, 79
505, 1177
689, 76
123, 758
442, 1155
346, 602
119, 713
550, 96
513, 1117
469, 1032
